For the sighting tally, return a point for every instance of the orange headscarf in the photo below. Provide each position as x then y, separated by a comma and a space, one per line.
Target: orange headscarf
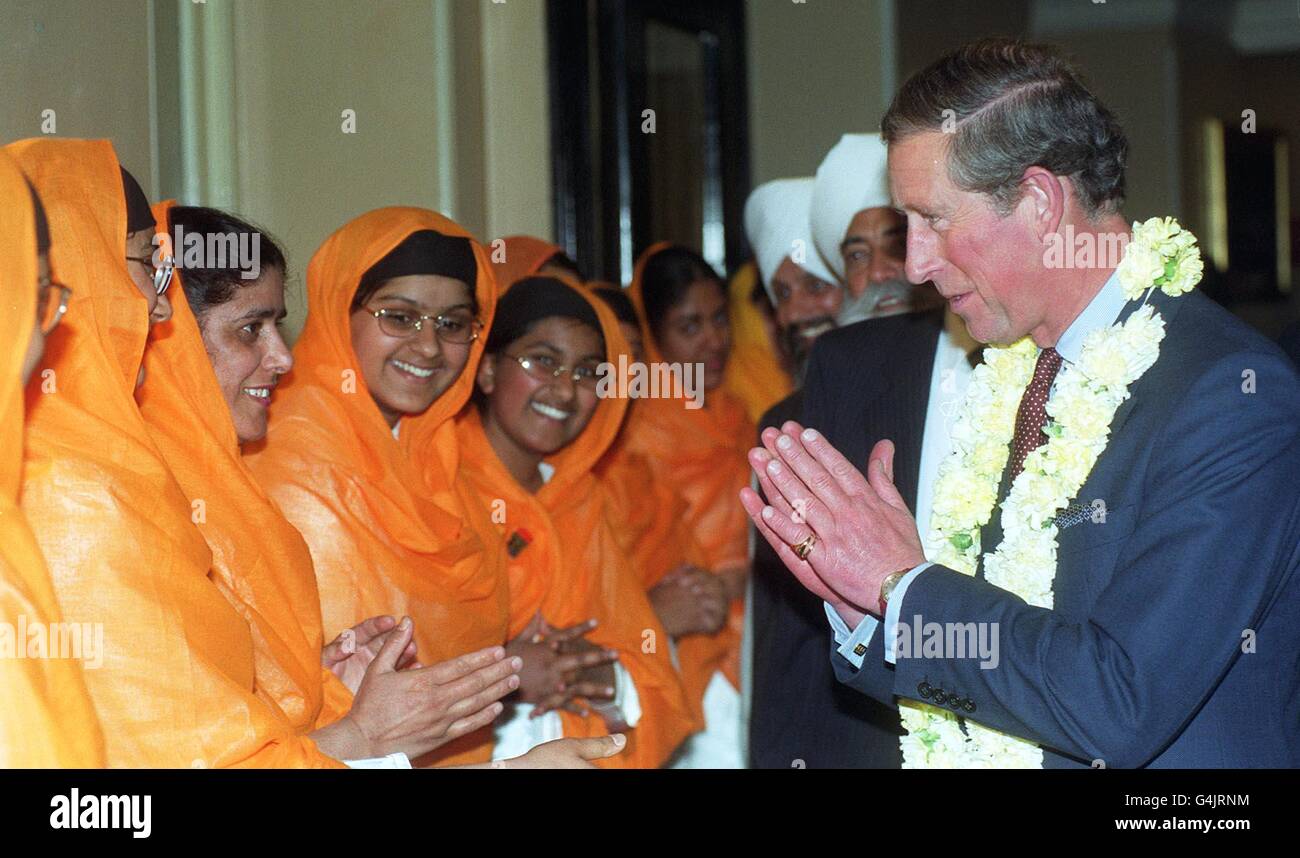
259, 561
46, 719
574, 567
176, 685
754, 374
652, 527
521, 256
701, 454
387, 523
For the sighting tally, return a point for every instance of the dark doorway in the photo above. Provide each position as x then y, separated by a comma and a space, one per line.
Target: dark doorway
649, 129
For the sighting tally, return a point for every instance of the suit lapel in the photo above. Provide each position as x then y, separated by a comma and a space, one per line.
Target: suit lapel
1168, 308
991, 533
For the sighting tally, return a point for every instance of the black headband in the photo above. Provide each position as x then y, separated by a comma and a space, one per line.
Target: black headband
529, 301
426, 252
42, 224
138, 213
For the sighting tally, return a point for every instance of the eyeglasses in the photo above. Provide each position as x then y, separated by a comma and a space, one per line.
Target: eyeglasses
545, 368
51, 304
456, 328
162, 274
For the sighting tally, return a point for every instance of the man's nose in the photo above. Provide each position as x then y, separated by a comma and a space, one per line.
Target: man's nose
922, 262
885, 268
805, 305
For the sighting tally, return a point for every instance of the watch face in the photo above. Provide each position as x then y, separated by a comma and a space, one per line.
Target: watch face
888, 585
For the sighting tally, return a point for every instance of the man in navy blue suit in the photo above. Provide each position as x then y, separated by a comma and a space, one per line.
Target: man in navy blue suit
1174, 624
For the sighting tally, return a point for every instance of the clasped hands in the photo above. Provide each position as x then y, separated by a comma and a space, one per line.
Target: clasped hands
862, 527
560, 666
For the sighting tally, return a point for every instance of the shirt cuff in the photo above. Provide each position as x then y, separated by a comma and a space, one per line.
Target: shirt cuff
625, 696
895, 607
852, 645
392, 761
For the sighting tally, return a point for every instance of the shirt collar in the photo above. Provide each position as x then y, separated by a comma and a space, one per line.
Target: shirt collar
1101, 312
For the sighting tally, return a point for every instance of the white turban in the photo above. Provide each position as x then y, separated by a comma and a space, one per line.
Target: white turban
850, 179
777, 225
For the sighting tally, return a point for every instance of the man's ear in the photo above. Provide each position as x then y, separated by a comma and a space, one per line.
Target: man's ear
487, 374
1047, 196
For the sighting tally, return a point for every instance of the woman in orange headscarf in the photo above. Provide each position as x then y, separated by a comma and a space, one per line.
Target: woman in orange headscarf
46, 720
361, 453
686, 597
176, 686
700, 452
515, 257
755, 374
528, 448
212, 373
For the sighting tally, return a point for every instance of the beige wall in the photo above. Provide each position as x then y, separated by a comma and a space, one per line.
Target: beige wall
516, 119
89, 63
816, 71
440, 89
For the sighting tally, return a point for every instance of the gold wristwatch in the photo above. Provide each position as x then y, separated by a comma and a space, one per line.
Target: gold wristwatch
887, 587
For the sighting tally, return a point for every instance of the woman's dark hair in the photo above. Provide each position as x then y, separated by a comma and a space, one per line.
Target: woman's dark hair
211, 285
42, 223
562, 260
529, 301
139, 214
616, 299
667, 277
422, 252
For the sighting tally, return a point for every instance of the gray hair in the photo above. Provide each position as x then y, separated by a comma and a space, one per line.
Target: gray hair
1008, 106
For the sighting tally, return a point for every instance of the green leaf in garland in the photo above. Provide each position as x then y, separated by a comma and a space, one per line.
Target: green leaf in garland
961, 541
1171, 267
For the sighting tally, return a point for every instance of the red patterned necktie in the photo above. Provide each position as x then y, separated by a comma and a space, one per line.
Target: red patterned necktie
1032, 415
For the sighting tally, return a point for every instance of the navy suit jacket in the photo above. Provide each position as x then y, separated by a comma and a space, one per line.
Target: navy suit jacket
864, 382
1174, 640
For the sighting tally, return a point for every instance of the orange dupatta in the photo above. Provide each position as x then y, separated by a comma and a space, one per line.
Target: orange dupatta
522, 256
176, 685
701, 454
46, 719
754, 374
574, 567
259, 561
389, 528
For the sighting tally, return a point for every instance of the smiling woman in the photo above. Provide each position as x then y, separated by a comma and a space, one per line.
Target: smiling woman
528, 450
238, 317
424, 281
361, 454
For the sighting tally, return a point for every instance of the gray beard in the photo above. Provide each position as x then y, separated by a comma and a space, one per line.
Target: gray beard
911, 299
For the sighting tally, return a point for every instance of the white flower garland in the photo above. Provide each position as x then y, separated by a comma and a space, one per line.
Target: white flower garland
1161, 254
